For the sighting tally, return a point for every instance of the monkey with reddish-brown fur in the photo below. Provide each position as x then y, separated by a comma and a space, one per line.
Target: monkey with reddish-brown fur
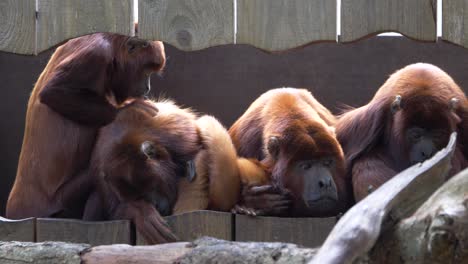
293, 136
140, 160
136, 165
79, 91
408, 120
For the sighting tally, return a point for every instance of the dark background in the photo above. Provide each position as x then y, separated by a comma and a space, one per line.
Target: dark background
224, 80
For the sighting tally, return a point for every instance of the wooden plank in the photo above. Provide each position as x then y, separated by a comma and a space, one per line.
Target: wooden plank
17, 230
413, 18
18, 26
455, 22
277, 25
77, 231
60, 20
190, 226
308, 232
187, 24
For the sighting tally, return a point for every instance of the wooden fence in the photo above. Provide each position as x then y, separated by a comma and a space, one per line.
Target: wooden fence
32, 26
309, 232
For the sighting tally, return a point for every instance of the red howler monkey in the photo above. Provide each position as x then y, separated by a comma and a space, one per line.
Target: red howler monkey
292, 134
139, 159
71, 100
136, 164
409, 119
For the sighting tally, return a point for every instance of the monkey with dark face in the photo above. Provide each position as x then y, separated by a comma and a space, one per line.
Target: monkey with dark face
409, 119
293, 136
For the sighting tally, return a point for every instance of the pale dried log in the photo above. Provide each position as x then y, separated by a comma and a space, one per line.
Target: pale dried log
436, 233
122, 254
40, 253
357, 231
211, 250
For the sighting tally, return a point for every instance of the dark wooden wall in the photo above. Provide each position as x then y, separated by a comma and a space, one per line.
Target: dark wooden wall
224, 80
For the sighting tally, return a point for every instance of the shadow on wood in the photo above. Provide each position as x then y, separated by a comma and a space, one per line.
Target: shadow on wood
77, 231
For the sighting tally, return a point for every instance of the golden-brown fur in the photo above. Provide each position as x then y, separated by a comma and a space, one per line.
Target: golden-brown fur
304, 130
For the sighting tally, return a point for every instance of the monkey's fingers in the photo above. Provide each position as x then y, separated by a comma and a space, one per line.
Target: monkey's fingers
238, 209
255, 190
160, 226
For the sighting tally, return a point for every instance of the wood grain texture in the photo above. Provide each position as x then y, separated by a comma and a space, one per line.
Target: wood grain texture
187, 24
193, 225
413, 18
277, 25
158, 254
17, 230
455, 22
308, 232
18, 26
60, 20
77, 231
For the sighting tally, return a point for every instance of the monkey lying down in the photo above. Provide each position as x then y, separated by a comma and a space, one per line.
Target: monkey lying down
293, 136
156, 159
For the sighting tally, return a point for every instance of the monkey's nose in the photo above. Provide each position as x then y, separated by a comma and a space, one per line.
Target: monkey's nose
325, 183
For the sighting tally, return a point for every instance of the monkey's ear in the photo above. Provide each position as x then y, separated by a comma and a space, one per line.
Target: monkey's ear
396, 104
273, 147
148, 149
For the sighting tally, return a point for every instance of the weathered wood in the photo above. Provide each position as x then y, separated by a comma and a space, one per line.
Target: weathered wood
187, 24
209, 250
277, 25
193, 225
308, 232
18, 26
455, 22
40, 253
120, 254
357, 231
17, 230
77, 231
436, 233
413, 18
60, 20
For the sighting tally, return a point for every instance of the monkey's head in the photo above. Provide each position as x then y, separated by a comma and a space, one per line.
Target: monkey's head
133, 62
421, 125
143, 153
307, 160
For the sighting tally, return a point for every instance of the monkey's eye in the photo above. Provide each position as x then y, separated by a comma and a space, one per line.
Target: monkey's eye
327, 162
305, 165
415, 135
149, 149
134, 43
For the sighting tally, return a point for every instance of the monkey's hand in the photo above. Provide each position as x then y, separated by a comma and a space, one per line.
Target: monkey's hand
264, 200
147, 220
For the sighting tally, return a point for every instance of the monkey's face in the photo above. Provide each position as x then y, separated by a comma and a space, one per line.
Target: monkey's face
135, 61
309, 174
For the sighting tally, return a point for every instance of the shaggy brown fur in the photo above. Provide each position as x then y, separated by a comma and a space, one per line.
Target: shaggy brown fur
375, 137
303, 130
68, 104
137, 162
